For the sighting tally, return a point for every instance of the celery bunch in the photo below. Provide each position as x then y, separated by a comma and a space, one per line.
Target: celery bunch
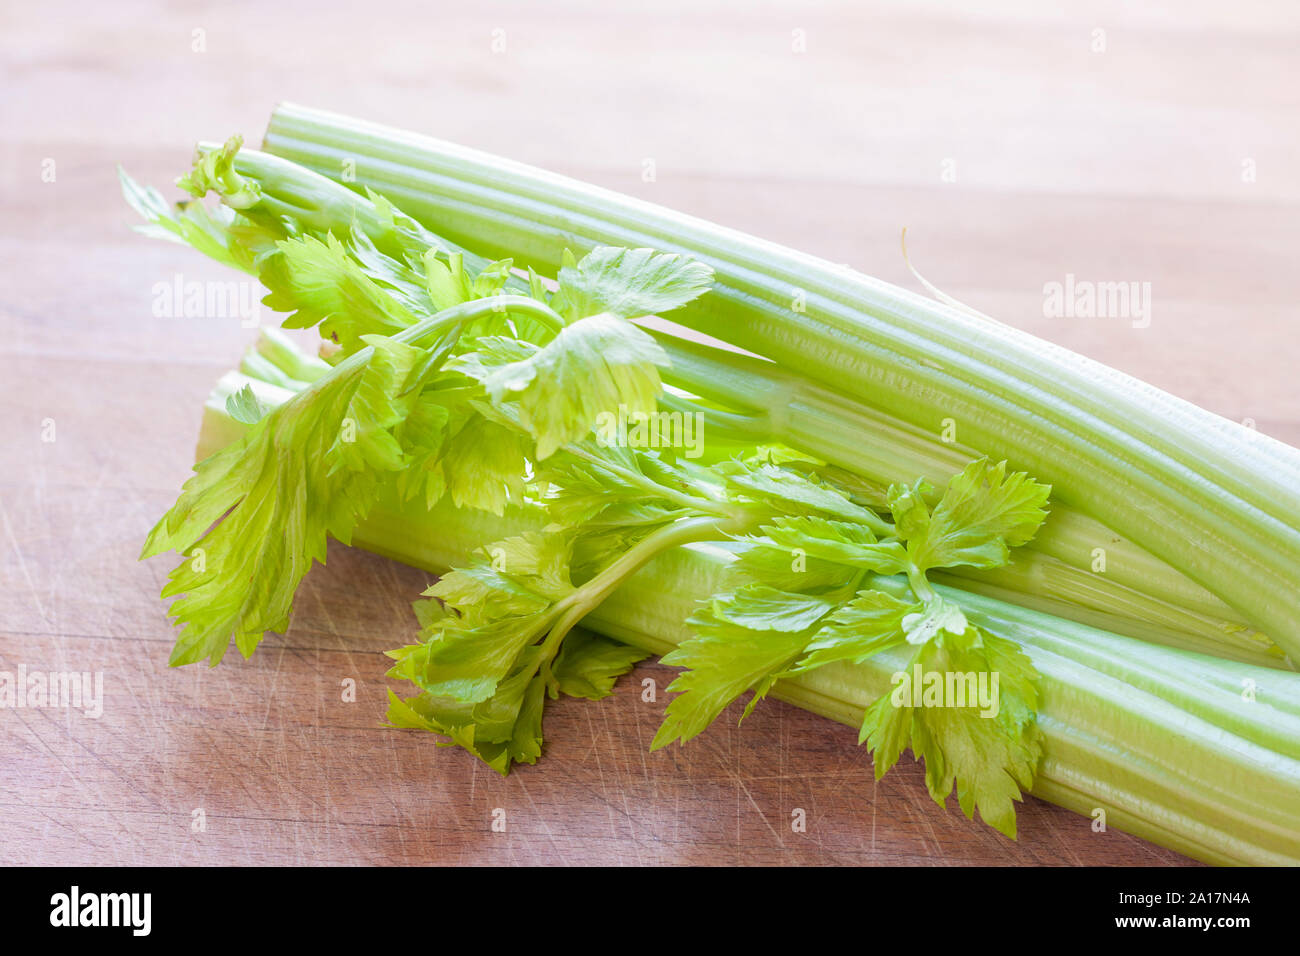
846, 545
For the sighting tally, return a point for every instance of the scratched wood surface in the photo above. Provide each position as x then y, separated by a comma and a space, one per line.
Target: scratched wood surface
1012, 144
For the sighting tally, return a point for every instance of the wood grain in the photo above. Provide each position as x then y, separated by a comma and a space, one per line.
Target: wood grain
1120, 165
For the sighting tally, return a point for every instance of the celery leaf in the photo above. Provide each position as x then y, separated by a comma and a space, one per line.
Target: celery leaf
629, 283
966, 706
983, 513
842, 542
726, 658
792, 491
870, 623
255, 515
599, 364
244, 407
588, 664
321, 283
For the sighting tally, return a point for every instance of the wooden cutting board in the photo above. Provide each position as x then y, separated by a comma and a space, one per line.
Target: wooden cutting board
1015, 151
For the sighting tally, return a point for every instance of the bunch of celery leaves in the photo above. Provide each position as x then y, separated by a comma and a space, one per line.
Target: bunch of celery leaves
513, 390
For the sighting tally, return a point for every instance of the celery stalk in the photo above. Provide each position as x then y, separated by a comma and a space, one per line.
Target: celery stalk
1035, 580
1149, 734
1137, 595
1162, 740
1208, 497
819, 421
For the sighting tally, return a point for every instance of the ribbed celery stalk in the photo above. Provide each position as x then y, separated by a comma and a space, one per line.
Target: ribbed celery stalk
1164, 741
883, 450
822, 421
817, 420
1210, 498
1137, 594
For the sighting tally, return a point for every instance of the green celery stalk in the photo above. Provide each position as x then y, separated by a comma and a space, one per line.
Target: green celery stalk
822, 421
279, 349
1033, 580
1161, 739
1208, 497
1138, 594
817, 420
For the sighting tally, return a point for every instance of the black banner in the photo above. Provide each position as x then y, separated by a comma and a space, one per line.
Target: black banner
329, 906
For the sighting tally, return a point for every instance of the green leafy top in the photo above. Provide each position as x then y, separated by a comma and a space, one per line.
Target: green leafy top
499, 624
255, 515
214, 171
395, 410
460, 378
805, 607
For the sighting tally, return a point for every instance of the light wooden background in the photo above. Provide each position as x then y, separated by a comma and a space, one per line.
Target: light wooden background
1125, 164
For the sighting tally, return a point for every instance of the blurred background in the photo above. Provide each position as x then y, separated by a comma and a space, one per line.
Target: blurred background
1019, 142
